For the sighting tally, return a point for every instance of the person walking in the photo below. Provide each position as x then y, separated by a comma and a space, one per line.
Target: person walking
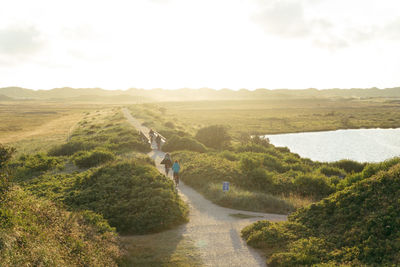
176, 168
151, 135
158, 141
167, 163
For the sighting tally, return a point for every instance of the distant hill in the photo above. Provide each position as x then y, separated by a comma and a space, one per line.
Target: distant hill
6, 98
133, 94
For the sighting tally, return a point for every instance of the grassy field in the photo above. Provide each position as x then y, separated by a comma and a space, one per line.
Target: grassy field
283, 115
34, 126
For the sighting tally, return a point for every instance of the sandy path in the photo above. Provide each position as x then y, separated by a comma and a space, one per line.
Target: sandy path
214, 232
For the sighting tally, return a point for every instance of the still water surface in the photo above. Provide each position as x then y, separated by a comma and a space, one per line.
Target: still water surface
364, 145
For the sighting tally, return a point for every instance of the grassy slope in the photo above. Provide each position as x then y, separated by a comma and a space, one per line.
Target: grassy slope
358, 225
37, 232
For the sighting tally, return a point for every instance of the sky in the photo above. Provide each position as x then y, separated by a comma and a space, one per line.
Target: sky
171, 44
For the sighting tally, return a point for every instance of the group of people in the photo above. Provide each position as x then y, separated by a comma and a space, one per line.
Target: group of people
167, 161
156, 137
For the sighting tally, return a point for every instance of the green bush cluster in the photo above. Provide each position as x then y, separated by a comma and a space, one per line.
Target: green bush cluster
134, 198
273, 172
118, 137
214, 136
368, 170
28, 166
87, 159
71, 147
131, 194
350, 166
176, 143
261, 168
357, 226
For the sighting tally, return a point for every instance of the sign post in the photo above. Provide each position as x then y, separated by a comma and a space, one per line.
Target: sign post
225, 186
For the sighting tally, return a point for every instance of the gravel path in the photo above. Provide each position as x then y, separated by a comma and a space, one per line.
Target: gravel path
215, 233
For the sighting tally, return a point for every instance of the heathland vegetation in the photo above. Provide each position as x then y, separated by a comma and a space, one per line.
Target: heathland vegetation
37, 231
262, 177
94, 185
356, 226
99, 183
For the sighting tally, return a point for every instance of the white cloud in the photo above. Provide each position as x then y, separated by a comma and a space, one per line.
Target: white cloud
17, 40
284, 18
329, 29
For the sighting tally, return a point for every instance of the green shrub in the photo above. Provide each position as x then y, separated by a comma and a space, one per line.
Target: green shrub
274, 164
28, 166
302, 252
134, 198
71, 147
87, 159
332, 171
373, 168
214, 136
259, 179
349, 166
249, 163
267, 235
229, 155
251, 147
176, 143
97, 221
313, 185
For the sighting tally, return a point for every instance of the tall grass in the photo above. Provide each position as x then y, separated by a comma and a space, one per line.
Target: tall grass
246, 200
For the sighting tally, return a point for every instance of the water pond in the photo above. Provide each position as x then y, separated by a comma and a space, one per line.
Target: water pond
363, 145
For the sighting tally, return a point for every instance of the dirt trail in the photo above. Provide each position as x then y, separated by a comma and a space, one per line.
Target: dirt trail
215, 233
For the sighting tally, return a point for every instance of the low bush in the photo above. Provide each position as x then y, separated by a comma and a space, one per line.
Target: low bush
28, 166
317, 186
71, 147
176, 143
214, 136
332, 171
87, 159
349, 166
134, 198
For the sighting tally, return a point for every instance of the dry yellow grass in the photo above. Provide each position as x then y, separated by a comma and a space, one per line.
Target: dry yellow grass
297, 201
33, 126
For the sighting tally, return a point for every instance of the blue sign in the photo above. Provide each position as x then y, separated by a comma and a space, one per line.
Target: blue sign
225, 187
